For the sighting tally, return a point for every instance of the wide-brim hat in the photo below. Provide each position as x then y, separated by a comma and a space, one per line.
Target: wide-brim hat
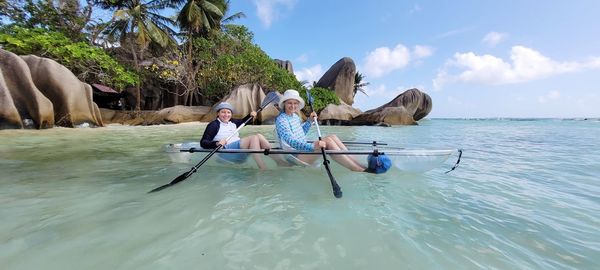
291, 94
224, 105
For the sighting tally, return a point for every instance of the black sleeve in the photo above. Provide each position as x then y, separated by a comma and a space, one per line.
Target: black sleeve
209, 134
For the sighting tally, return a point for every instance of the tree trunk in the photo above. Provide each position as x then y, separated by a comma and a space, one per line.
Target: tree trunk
137, 69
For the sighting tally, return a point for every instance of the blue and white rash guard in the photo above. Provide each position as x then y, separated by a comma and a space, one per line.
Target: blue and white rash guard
292, 132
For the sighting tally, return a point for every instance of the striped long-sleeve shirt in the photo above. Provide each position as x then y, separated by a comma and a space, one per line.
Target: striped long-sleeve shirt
292, 132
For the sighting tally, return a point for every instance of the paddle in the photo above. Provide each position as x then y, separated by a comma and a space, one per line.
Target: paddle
337, 191
272, 96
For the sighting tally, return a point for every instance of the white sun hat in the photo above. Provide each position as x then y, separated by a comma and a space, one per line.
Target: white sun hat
291, 94
224, 105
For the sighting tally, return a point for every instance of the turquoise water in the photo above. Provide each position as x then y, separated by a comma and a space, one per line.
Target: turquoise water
525, 196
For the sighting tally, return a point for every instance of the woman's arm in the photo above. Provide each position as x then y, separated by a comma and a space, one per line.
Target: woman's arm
308, 123
306, 126
285, 133
209, 134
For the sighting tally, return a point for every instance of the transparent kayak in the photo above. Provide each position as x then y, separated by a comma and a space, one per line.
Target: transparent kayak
404, 160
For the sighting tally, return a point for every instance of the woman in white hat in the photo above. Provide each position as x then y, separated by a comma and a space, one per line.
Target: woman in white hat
292, 134
217, 132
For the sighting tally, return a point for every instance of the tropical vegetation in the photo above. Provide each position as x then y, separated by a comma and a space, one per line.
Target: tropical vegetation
321, 97
89, 63
192, 58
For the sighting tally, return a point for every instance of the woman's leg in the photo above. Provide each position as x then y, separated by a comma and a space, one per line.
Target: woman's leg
342, 146
245, 143
333, 143
334, 138
309, 159
264, 144
251, 142
256, 145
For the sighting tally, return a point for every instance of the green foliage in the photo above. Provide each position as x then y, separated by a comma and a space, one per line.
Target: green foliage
238, 32
321, 98
142, 21
229, 59
88, 63
66, 17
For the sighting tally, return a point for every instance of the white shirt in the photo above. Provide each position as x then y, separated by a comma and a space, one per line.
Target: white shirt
225, 130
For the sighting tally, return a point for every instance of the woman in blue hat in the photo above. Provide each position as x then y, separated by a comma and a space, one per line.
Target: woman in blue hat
217, 132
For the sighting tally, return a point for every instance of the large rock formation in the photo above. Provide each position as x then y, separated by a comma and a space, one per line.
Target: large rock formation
32, 107
245, 99
405, 109
340, 78
43, 93
72, 99
285, 64
170, 115
9, 115
333, 114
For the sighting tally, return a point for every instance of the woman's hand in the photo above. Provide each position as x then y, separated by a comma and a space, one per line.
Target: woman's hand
313, 115
319, 144
222, 142
253, 114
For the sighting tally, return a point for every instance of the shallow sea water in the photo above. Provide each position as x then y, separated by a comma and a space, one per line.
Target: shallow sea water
525, 196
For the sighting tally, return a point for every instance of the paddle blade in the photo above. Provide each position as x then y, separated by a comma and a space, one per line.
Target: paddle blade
271, 97
175, 181
309, 98
337, 192
160, 188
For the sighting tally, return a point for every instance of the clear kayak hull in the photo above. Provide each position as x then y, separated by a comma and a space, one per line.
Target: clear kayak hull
405, 160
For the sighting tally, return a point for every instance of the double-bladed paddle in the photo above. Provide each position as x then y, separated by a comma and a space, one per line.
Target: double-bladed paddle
337, 191
270, 98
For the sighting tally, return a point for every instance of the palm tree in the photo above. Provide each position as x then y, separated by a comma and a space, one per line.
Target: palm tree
139, 22
359, 84
200, 16
227, 20
197, 18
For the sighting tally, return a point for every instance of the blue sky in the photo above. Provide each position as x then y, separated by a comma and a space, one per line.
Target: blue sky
477, 58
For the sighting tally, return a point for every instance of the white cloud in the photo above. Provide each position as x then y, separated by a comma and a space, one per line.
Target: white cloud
269, 10
493, 38
526, 65
310, 74
375, 91
420, 51
383, 92
376, 97
384, 60
552, 95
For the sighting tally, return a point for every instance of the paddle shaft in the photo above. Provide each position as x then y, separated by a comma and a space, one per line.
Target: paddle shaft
337, 191
187, 174
195, 168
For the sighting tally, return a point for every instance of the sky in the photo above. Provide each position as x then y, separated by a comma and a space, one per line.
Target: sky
474, 58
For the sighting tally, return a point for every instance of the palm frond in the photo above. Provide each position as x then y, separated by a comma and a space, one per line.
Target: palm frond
233, 17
